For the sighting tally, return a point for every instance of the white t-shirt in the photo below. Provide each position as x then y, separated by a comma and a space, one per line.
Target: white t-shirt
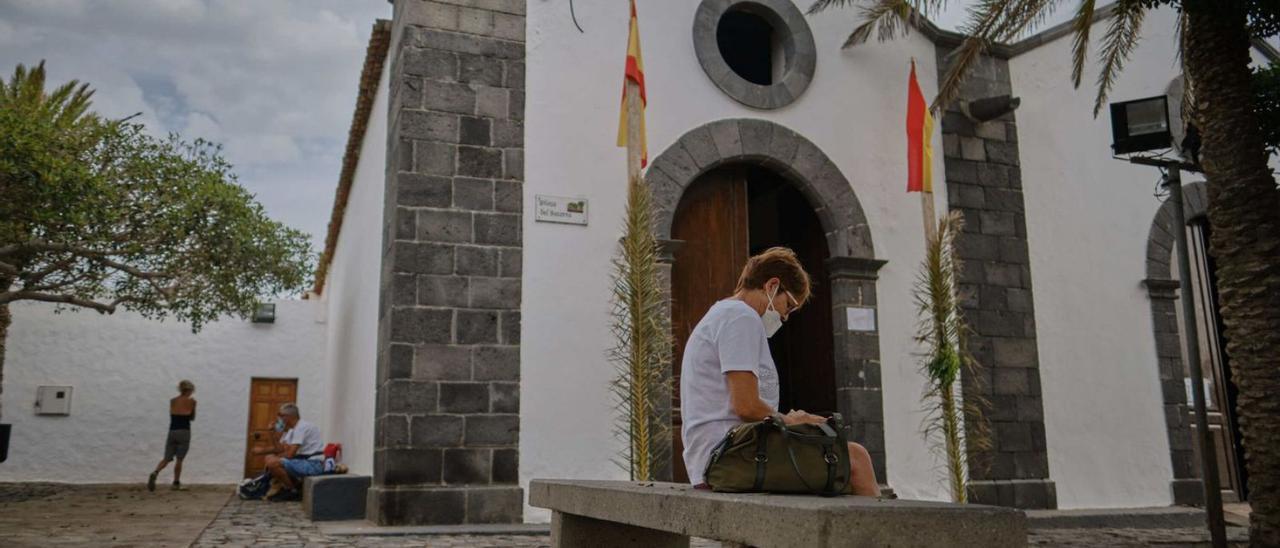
307, 436
730, 337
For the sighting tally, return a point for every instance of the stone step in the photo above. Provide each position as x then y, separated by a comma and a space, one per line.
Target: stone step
1167, 517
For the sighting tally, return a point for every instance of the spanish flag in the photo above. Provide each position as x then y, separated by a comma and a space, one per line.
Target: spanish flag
635, 73
919, 138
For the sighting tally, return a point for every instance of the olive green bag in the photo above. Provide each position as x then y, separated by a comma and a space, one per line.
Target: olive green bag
771, 457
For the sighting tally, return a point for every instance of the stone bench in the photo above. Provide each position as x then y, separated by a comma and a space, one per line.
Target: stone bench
650, 514
334, 497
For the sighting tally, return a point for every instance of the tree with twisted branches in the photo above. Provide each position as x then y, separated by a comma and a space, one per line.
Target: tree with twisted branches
97, 214
1226, 105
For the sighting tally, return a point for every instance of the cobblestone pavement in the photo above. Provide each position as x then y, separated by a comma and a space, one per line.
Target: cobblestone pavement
253, 523
281, 524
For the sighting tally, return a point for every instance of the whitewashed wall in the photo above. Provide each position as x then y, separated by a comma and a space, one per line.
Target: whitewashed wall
351, 297
1088, 218
123, 370
854, 111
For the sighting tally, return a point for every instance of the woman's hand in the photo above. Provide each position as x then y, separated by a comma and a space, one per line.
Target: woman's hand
797, 416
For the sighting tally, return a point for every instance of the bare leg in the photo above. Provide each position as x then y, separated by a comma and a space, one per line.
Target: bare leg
864, 476
177, 471
276, 466
151, 480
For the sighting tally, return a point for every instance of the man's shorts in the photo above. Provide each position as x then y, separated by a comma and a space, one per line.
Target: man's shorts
301, 468
177, 444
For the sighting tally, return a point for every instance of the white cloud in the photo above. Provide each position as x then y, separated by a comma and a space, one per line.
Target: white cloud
274, 82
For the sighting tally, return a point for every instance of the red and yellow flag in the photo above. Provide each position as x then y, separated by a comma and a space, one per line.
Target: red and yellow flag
635, 73
919, 138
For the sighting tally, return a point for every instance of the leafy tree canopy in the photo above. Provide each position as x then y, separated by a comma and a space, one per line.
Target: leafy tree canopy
99, 214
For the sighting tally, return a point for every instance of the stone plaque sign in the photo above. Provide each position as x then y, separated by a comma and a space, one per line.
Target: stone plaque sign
559, 209
860, 318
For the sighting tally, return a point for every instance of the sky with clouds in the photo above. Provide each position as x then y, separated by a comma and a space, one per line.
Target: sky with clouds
274, 81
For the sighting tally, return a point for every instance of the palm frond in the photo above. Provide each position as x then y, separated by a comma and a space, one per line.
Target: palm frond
1081, 26
961, 63
1121, 37
822, 5
950, 417
66, 106
1024, 17
983, 17
642, 350
888, 18
990, 21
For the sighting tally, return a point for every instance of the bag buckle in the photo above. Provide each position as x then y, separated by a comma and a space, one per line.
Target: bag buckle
761, 457
831, 458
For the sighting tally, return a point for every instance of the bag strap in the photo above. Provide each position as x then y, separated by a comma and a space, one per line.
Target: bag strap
828, 455
762, 455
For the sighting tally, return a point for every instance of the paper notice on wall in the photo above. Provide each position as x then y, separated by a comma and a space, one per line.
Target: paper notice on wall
559, 209
859, 318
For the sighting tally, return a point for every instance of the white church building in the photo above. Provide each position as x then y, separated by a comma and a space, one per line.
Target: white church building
455, 342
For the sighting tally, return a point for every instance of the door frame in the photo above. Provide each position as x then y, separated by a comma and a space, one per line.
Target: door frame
1186, 486
852, 268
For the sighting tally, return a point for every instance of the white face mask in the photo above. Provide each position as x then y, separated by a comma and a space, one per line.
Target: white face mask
772, 319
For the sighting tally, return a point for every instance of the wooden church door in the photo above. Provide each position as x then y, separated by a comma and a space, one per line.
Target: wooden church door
712, 221
724, 217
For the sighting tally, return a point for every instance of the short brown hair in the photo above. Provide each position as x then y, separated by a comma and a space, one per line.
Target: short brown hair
780, 263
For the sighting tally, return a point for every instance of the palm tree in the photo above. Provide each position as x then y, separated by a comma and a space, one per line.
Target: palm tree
64, 111
1244, 202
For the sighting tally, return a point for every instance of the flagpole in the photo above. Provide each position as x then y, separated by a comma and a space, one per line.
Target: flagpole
927, 213
634, 154
634, 128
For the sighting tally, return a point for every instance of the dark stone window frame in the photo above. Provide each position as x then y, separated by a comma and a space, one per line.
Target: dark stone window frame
797, 44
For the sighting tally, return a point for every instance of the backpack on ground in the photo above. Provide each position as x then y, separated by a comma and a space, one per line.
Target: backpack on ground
254, 488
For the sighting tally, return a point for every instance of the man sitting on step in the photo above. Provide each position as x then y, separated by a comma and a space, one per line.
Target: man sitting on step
295, 455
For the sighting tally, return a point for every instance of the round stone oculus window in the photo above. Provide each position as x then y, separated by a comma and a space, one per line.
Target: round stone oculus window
759, 52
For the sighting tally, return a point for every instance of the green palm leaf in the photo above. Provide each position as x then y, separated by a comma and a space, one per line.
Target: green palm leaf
642, 351
1121, 38
953, 423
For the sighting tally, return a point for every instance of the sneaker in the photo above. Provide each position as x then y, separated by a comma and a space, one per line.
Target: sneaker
286, 495
178, 487
151, 481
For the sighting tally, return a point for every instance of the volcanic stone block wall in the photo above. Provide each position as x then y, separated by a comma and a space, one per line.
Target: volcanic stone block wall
984, 182
447, 410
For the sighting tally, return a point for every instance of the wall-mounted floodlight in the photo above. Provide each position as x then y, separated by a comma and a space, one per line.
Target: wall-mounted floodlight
1140, 125
265, 313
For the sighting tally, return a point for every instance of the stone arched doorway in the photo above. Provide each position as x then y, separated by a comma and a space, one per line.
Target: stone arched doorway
1164, 288
850, 265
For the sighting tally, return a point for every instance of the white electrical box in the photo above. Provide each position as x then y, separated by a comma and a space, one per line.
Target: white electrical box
53, 400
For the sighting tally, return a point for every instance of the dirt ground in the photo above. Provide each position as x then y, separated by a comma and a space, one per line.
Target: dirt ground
50, 514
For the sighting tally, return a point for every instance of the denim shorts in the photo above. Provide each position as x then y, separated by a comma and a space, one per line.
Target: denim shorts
301, 468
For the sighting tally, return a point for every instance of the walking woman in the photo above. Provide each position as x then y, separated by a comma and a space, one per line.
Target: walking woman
182, 410
728, 376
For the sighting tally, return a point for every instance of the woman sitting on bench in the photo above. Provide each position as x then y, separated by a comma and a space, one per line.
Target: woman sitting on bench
728, 377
